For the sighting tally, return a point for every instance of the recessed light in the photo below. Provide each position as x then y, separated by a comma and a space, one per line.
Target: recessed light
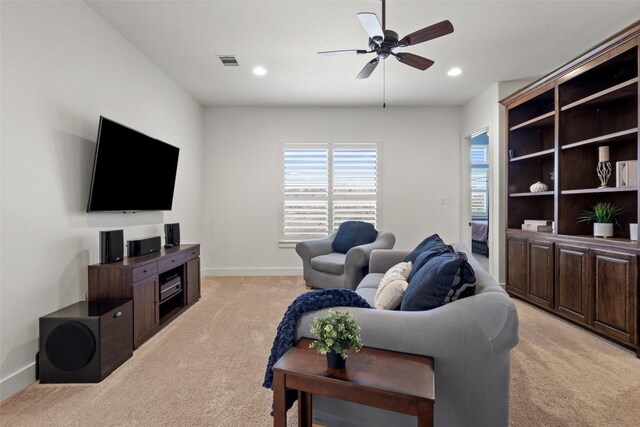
455, 71
259, 71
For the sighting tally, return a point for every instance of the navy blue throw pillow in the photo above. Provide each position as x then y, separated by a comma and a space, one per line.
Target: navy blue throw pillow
433, 242
353, 233
425, 256
443, 279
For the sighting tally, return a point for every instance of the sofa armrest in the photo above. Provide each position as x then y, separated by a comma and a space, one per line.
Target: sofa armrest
308, 249
358, 256
383, 259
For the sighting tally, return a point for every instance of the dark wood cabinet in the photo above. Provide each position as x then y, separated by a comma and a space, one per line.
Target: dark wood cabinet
554, 128
517, 266
140, 279
541, 273
193, 280
573, 287
145, 310
615, 287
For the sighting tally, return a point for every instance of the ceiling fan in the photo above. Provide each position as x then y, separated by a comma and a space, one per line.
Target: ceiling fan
383, 41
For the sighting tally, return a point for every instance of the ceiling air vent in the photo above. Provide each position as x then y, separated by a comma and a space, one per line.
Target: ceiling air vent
228, 60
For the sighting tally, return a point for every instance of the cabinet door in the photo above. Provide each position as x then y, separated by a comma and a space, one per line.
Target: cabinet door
193, 280
541, 273
572, 287
145, 310
517, 266
615, 279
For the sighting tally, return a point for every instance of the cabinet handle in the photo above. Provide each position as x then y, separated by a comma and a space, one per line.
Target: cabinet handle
173, 260
145, 271
118, 314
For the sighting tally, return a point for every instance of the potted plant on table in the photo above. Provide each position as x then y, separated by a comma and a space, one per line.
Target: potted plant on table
337, 333
603, 215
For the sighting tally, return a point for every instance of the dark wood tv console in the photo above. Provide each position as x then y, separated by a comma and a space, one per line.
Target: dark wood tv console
140, 279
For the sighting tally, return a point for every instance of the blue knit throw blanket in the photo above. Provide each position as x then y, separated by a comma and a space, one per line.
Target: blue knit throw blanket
286, 332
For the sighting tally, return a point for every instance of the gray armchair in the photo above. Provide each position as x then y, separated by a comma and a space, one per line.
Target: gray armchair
323, 268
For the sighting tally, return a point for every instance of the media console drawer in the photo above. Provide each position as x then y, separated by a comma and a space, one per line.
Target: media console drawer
171, 261
144, 271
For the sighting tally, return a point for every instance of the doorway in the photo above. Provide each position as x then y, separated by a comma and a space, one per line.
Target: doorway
479, 196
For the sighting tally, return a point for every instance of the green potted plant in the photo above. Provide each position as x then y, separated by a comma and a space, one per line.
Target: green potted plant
337, 333
603, 215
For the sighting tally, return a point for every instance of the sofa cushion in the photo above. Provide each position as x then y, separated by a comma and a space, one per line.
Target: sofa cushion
392, 286
432, 242
329, 263
371, 280
444, 278
353, 233
369, 294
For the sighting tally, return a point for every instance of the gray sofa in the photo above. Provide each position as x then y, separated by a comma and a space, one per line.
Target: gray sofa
323, 268
470, 340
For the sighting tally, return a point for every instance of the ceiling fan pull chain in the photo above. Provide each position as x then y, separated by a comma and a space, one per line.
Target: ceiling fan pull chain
384, 84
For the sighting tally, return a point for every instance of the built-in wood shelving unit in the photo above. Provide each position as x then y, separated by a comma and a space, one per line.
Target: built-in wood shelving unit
555, 128
537, 154
609, 138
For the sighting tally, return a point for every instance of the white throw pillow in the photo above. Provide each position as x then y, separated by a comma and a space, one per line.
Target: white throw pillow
393, 286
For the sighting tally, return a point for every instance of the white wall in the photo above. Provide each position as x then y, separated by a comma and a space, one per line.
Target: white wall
485, 112
420, 152
63, 67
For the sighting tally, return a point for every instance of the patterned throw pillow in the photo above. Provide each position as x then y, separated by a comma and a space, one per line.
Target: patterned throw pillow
392, 287
443, 279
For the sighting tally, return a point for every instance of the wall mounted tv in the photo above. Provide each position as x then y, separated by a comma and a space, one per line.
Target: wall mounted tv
131, 171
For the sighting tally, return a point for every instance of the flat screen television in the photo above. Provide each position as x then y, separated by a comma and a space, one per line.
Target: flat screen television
131, 171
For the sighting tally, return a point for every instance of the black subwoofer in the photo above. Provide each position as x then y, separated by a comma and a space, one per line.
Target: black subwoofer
85, 342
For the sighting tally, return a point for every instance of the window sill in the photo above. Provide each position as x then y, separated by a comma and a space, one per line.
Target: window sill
287, 244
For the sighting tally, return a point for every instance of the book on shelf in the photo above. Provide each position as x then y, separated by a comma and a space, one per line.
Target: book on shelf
538, 222
535, 227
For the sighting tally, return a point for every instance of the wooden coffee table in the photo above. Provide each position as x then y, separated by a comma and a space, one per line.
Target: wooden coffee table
383, 379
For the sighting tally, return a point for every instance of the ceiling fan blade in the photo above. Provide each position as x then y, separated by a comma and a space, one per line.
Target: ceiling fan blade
372, 26
343, 52
427, 33
415, 61
368, 69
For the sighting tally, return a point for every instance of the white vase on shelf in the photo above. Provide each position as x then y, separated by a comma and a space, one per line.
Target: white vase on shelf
538, 187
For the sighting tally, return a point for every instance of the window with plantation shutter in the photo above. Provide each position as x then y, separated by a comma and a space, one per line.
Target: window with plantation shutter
479, 178
325, 184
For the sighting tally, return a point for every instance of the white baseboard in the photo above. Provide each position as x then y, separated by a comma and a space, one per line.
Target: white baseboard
251, 271
17, 381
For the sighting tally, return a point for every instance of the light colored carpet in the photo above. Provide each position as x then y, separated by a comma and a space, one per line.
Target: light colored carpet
562, 375
206, 368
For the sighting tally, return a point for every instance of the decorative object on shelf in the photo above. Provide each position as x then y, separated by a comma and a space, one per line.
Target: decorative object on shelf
511, 154
538, 187
603, 215
337, 333
633, 231
627, 173
552, 175
604, 166
543, 225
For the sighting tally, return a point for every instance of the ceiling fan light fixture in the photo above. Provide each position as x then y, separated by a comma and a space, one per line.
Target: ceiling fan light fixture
259, 71
455, 71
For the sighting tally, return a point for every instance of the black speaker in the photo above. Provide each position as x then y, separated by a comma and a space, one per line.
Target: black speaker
111, 246
143, 246
85, 342
171, 235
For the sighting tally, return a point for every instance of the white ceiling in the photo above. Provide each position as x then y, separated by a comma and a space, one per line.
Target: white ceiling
493, 41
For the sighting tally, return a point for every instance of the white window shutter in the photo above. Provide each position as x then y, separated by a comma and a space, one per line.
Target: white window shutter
325, 185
